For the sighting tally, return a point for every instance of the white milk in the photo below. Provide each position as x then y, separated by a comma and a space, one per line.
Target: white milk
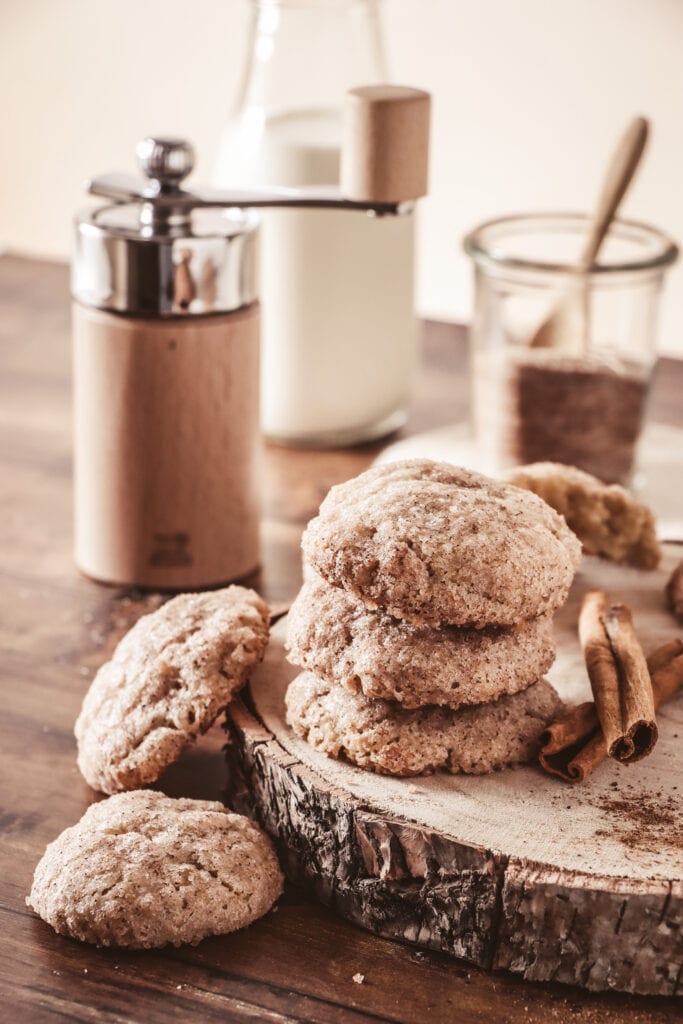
338, 327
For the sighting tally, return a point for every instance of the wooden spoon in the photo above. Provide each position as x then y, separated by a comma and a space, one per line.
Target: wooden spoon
566, 329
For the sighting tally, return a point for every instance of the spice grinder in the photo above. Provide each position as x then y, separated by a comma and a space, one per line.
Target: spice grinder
166, 348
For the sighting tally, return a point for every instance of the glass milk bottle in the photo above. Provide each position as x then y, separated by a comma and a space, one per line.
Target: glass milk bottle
339, 341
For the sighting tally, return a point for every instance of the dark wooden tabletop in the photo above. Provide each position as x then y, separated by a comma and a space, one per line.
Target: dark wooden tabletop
298, 963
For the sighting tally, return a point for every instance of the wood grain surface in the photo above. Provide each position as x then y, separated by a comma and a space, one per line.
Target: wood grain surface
56, 628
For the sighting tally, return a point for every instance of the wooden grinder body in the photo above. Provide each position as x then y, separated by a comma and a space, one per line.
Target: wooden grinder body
166, 447
166, 349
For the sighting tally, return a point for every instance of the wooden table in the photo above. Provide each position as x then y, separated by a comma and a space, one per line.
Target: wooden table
298, 963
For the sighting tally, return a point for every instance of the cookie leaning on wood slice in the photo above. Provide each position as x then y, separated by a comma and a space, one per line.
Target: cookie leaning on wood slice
435, 544
166, 683
332, 634
608, 520
141, 870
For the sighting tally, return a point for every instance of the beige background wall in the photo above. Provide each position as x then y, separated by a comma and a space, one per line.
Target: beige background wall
529, 97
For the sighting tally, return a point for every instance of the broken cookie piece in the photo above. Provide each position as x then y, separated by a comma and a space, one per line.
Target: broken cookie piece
608, 520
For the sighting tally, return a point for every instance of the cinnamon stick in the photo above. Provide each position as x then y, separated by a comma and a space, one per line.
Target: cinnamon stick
666, 666
660, 659
619, 678
574, 746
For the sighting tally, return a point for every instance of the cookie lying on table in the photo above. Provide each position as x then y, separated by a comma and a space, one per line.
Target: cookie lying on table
608, 520
168, 680
141, 870
386, 738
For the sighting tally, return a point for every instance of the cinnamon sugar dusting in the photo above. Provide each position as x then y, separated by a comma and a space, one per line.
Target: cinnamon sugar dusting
644, 822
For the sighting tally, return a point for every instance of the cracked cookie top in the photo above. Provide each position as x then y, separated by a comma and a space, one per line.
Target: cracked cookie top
142, 870
433, 543
166, 683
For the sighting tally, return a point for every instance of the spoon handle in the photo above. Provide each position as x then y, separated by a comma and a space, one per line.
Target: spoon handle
622, 167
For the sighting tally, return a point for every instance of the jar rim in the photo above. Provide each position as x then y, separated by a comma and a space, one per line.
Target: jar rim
483, 249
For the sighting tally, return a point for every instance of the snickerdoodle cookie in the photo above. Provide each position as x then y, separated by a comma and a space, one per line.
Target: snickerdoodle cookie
386, 738
166, 683
142, 870
333, 634
607, 519
435, 544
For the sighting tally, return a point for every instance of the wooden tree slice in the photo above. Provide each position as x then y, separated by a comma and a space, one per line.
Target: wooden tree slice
513, 870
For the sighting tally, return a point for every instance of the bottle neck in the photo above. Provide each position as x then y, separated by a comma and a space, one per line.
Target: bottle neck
305, 54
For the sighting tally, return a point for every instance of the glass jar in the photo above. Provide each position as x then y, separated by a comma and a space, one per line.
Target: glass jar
339, 340
582, 401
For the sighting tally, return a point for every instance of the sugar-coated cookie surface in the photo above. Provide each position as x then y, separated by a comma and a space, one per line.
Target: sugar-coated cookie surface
141, 870
432, 543
386, 738
607, 519
167, 681
332, 634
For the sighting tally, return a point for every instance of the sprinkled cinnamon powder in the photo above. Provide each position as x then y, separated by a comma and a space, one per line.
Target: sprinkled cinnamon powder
644, 822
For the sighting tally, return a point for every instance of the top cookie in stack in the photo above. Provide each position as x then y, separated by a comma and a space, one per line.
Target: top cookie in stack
424, 625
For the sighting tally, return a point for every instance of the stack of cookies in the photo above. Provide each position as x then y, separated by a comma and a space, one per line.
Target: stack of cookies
424, 626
